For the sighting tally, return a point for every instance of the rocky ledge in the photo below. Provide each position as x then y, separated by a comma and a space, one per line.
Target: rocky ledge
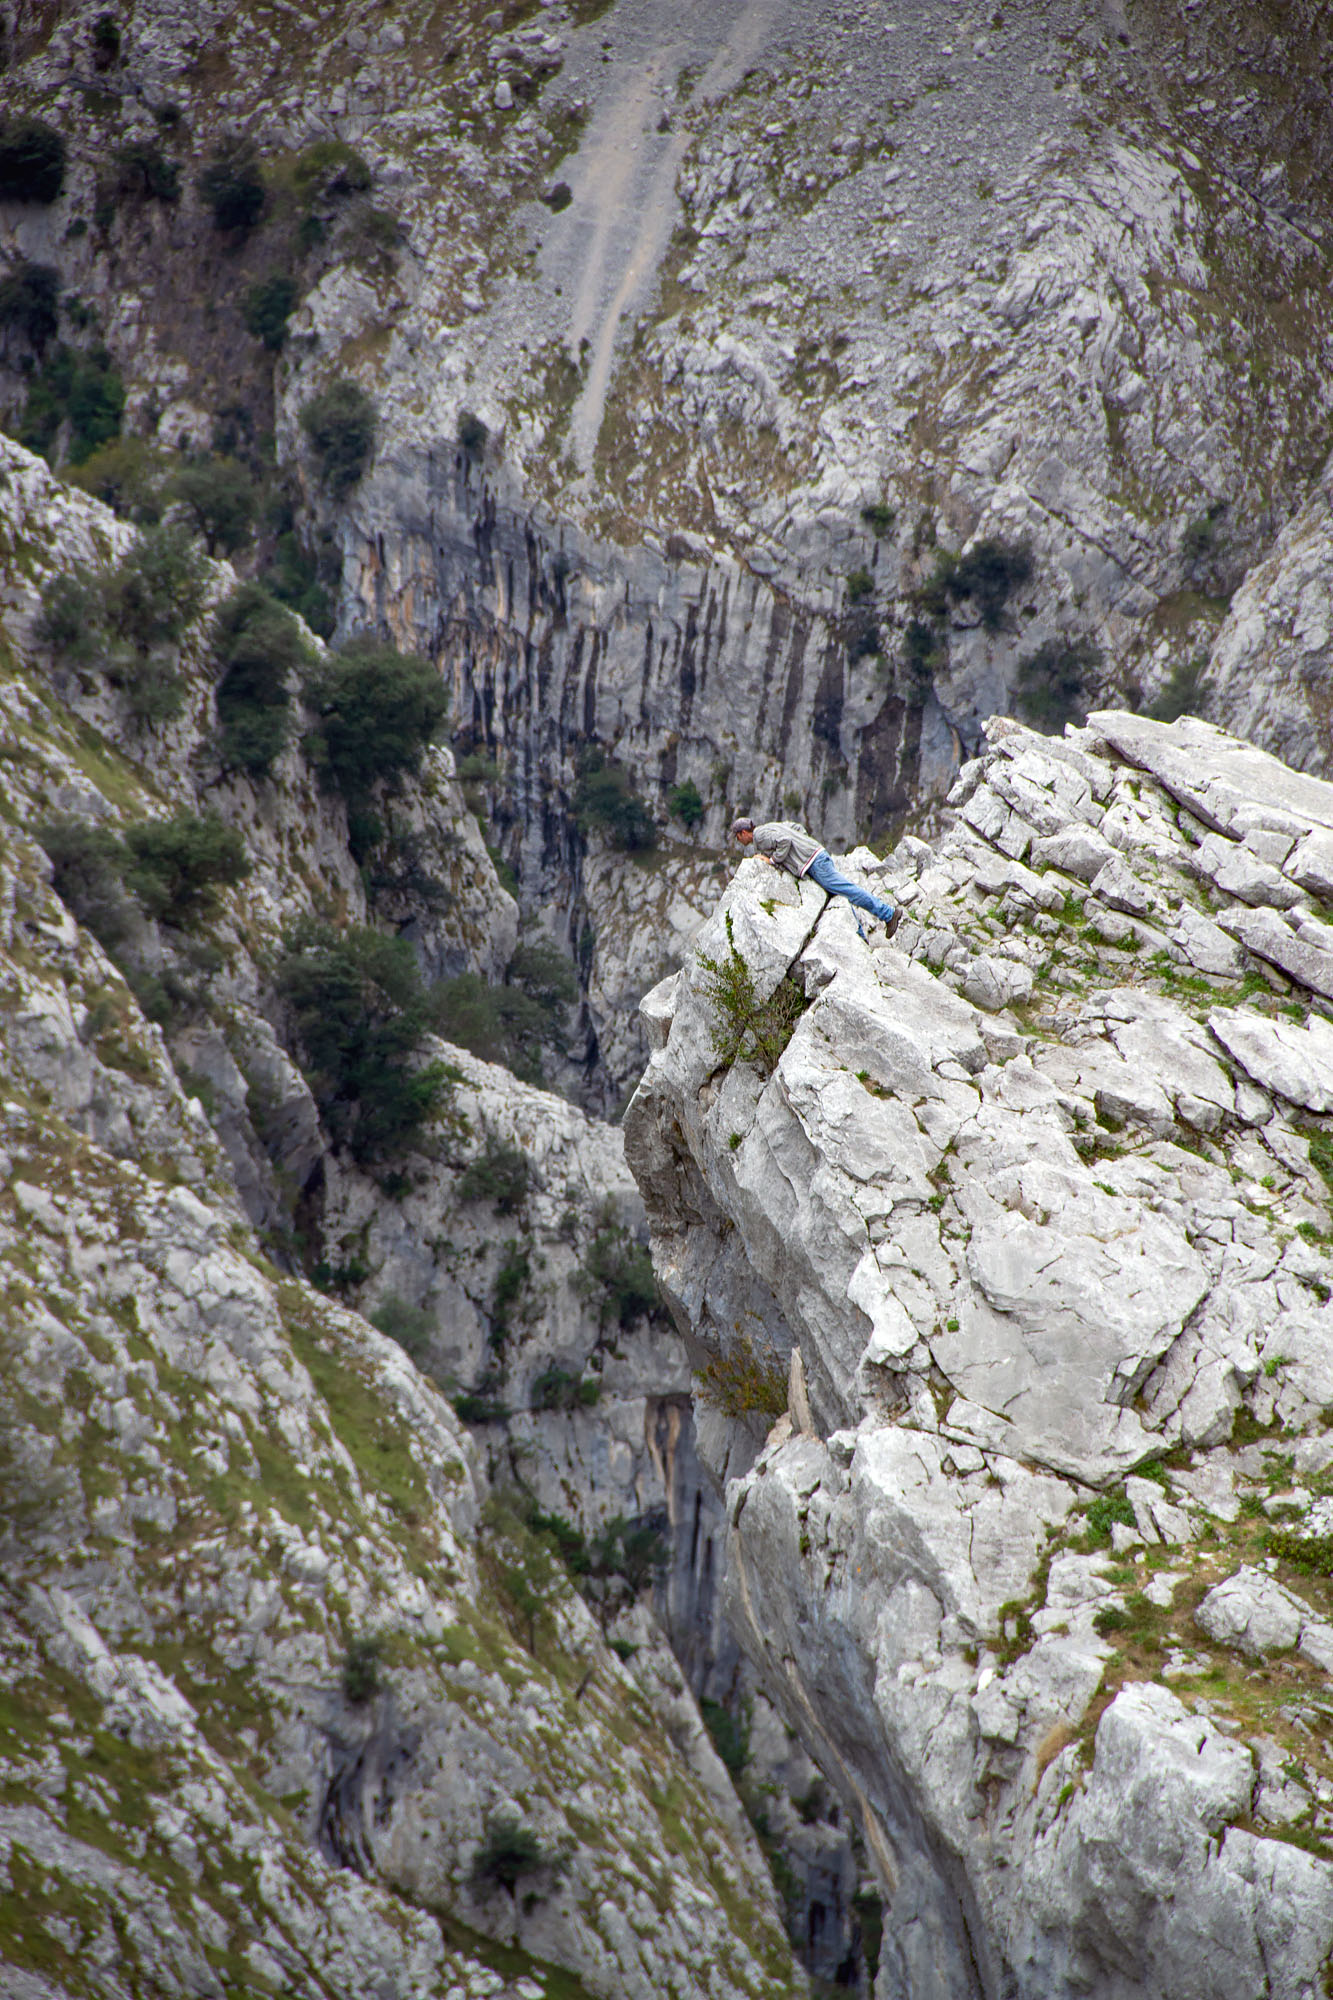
1020, 1228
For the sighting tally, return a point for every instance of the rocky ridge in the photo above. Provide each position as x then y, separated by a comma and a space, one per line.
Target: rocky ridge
1028, 1229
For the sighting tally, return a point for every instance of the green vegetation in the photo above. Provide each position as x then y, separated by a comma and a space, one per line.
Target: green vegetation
410, 1326
360, 1012
171, 868
76, 393
514, 1023
617, 1274
730, 1733
1313, 1553
220, 498
605, 799
473, 434
747, 1029
144, 173
267, 308
879, 518
742, 1382
860, 586
127, 474
340, 423
176, 866
260, 647
361, 1676
499, 1175
989, 573
377, 711
128, 615
510, 1854
1108, 1510
30, 302
1052, 683
1184, 692
231, 185
556, 1389
685, 804
32, 160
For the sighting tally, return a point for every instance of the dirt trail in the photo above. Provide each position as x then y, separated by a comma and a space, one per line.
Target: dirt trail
617, 229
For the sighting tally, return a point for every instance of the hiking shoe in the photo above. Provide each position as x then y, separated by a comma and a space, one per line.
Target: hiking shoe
891, 923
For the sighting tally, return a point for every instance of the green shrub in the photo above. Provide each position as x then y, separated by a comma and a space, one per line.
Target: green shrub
410, 1326
879, 517
747, 1029
330, 168
261, 647
515, 1023
144, 172
617, 1275
545, 975
70, 620
1308, 1552
296, 579
605, 798
219, 496
473, 434
340, 423
1051, 684
127, 474
177, 865
232, 185
87, 872
860, 585
157, 589
510, 1853
361, 1678
377, 710
105, 41
1184, 692
32, 160
924, 653
988, 574
743, 1382
511, 1281
30, 302
267, 308
557, 1389
1107, 1511
77, 389
498, 1175
730, 1733
359, 1012
685, 803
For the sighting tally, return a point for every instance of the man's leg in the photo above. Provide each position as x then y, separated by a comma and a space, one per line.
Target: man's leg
834, 883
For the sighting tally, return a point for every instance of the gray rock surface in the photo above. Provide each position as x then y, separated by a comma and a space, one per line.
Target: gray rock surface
1015, 1256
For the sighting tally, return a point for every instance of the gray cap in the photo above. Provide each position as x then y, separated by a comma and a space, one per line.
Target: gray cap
741, 825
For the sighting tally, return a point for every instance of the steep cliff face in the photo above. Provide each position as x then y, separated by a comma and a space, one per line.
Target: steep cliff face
1024, 1219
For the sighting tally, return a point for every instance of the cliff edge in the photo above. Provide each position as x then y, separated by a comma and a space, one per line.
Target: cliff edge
1004, 1255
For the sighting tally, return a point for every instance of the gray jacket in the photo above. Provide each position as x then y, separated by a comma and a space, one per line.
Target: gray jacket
787, 845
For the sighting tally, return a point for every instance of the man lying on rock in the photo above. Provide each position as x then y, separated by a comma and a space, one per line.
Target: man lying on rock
783, 844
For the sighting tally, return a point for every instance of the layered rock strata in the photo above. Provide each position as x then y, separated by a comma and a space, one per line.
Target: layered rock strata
1027, 1225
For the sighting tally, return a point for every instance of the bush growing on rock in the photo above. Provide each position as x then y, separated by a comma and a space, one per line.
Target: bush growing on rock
261, 648
77, 393
512, 1024
328, 168
1052, 683
498, 1175
30, 302
510, 1853
32, 160
988, 573
361, 1677
127, 474
605, 799
125, 614
219, 496
340, 423
144, 173
1184, 692
176, 866
409, 1326
745, 1028
378, 710
685, 803
267, 308
87, 872
359, 1012
617, 1275
232, 187
105, 41
742, 1382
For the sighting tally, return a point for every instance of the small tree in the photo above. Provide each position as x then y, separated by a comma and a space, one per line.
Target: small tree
105, 41
359, 1012
617, 1275
30, 302
377, 710
177, 865
232, 185
605, 798
1051, 684
340, 423
32, 160
157, 589
745, 1028
267, 308
509, 1853
87, 865
685, 802
361, 1678
128, 474
144, 173
498, 1175
261, 647
219, 496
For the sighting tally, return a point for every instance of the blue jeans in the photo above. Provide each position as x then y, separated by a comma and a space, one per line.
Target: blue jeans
833, 883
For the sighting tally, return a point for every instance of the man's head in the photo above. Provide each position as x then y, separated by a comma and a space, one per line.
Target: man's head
743, 830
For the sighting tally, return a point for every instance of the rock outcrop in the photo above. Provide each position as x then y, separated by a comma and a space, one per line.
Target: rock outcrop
1024, 1220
